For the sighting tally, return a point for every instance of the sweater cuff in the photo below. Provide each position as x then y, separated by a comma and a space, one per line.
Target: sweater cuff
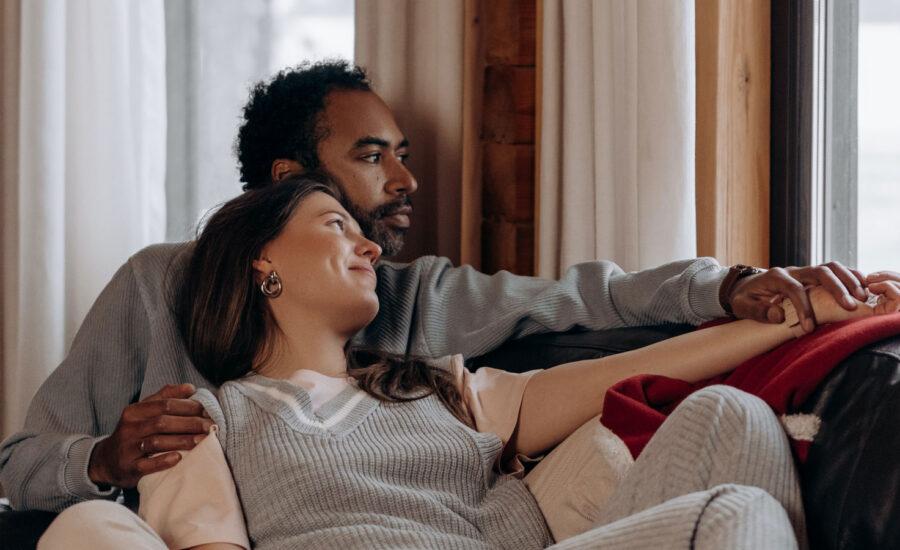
75, 473
704, 293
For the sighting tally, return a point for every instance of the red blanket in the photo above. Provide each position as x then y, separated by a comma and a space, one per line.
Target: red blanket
783, 378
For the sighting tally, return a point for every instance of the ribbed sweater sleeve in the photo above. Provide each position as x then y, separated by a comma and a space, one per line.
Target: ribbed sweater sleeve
433, 309
45, 465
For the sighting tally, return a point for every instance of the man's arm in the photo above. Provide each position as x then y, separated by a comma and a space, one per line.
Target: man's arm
62, 456
429, 307
45, 466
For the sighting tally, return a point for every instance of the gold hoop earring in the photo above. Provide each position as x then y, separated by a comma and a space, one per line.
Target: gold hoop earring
271, 285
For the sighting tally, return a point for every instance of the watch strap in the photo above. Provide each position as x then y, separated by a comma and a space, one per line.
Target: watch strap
735, 273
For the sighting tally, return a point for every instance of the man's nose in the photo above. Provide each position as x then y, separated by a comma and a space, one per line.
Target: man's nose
401, 180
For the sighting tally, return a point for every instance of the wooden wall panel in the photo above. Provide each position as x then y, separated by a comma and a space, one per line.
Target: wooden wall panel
508, 136
733, 87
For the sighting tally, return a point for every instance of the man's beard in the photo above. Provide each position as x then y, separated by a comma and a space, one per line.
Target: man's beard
373, 226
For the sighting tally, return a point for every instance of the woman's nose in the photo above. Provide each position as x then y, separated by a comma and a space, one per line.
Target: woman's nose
369, 249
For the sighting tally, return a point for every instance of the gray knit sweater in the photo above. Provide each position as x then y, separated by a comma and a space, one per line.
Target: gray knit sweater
362, 474
128, 346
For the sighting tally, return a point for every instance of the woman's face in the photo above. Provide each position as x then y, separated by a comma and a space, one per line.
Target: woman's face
326, 267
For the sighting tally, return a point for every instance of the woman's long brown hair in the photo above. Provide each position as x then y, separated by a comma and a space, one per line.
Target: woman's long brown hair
226, 322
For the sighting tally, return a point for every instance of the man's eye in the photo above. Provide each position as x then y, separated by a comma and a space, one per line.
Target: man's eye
403, 157
373, 158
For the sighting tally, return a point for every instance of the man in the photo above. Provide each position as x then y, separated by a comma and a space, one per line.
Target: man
87, 436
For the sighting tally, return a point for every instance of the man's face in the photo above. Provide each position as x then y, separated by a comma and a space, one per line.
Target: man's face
365, 153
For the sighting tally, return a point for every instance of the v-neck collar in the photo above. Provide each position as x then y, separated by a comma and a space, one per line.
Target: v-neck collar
338, 415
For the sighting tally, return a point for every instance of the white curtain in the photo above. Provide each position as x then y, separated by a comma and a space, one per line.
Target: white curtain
414, 52
90, 188
616, 176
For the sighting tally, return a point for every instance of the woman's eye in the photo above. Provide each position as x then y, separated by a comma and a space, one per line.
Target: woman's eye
339, 223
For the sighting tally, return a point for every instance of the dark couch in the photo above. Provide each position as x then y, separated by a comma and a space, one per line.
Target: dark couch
851, 479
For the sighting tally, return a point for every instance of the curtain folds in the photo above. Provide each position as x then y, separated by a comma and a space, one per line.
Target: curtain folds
414, 51
90, 189
616, 169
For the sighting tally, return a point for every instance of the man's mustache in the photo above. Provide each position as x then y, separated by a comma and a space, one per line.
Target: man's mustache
391, 208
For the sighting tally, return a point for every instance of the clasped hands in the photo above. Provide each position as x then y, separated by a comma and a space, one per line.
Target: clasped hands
759, 296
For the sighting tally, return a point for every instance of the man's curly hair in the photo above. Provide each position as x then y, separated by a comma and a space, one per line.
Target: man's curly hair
281, 119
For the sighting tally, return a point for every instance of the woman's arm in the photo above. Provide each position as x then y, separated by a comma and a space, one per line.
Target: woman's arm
217, 546
195, 504
557, 401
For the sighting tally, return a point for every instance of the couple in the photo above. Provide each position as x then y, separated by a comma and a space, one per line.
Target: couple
331, 445
88, 437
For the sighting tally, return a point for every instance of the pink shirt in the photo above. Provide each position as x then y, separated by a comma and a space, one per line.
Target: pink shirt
195, 502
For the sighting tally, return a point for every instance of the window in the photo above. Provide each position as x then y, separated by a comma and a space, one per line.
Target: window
878, 211
835, 172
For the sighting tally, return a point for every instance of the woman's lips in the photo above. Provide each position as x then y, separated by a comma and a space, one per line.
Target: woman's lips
367, 269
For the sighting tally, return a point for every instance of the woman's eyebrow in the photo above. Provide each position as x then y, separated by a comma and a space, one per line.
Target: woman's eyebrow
341, 214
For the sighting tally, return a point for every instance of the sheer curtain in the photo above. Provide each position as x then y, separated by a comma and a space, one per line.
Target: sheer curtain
616, 161
89, 186
116, 147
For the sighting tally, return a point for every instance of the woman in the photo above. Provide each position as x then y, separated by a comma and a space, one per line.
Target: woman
333, 447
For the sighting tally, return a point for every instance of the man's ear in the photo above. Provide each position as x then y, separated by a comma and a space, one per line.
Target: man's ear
283, 168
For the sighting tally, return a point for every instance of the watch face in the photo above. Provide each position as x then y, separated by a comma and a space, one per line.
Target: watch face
744, 270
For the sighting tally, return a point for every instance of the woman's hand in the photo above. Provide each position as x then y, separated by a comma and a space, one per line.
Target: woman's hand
886, 284
888, 292
885, 298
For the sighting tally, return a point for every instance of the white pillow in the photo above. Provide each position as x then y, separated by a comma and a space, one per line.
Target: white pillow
574, 482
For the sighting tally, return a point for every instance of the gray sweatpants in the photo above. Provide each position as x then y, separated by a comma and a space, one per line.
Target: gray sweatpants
717, 474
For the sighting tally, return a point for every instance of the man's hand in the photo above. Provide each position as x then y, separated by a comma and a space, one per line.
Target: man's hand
163, 422
759, 296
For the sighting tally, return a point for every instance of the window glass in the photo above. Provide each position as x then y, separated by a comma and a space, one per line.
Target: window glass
311, 29
879, 136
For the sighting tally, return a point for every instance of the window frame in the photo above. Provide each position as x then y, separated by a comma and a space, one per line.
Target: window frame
814, 140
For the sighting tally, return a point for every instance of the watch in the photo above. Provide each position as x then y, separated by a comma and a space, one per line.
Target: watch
735, 273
